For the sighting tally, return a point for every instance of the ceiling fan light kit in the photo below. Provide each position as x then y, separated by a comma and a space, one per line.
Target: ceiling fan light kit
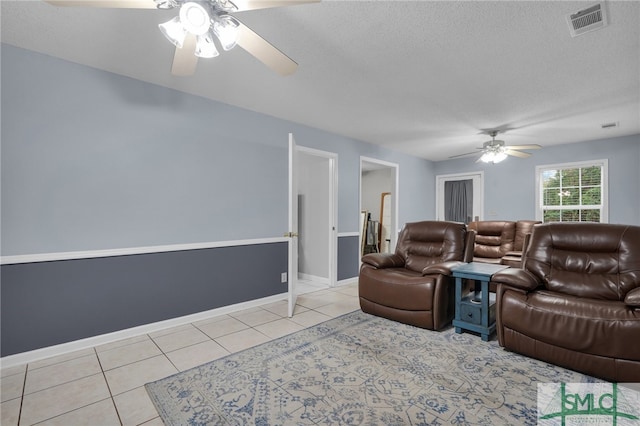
195, 19
494, 151
200, 22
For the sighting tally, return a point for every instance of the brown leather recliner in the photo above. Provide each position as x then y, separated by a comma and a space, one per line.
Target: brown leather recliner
514, 258
494, 238
576, 301
414, 284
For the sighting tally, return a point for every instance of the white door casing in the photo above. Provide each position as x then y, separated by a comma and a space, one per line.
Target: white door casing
292, 234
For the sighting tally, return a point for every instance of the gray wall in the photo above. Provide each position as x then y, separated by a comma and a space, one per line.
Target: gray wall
509, 187
350, 245
49, 303
92, 160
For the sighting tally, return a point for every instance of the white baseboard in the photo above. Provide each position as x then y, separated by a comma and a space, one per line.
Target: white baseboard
348, 234
89, 342
348, 281
313, 278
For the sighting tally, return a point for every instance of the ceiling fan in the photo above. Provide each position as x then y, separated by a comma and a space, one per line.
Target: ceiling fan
494, 151
200, 23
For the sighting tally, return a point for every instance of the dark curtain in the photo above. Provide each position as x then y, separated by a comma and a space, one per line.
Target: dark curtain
458, 200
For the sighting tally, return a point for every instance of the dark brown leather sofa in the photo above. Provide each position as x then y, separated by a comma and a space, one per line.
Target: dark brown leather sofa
414, 284
576, 301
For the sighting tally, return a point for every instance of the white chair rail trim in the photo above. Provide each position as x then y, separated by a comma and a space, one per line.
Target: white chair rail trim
70, 255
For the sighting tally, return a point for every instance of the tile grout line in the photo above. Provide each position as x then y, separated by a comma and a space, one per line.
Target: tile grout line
104, 376
163, 353
24, 386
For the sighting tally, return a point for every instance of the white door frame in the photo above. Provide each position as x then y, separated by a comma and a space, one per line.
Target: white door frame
478, 192
292, 233
396, 196
333, 209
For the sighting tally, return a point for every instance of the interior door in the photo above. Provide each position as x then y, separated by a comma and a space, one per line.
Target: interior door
478, 193
292, 234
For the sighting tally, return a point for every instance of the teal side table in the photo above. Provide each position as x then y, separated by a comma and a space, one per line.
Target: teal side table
475, 311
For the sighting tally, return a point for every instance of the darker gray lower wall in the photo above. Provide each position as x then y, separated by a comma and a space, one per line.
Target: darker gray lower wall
49, 303
348, 260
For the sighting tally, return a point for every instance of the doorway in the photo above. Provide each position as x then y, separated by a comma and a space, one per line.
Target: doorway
317, 218
378, 206
464, 214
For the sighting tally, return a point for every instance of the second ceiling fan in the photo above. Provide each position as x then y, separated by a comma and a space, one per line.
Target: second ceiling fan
203, 24
494, 151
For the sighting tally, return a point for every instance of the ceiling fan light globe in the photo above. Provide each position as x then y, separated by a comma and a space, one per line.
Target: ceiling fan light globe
195, 18
493, 157
174, 31
499, 156
226, 29
205, 47
487, 157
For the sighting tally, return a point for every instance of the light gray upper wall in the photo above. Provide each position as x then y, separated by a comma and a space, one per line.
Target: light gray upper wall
509, 187
93, 160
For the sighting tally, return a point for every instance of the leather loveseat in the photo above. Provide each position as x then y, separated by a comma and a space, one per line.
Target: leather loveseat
414, 284
576, 301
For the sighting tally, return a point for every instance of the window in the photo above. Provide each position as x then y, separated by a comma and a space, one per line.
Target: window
572, 192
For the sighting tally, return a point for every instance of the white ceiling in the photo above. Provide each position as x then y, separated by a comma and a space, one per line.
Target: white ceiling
422, 77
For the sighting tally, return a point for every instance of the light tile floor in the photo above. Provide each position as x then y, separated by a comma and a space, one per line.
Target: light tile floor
104, 385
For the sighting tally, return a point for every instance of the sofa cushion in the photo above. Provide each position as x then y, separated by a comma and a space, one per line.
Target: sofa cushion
574, 323
398, 288
593, 260
422, 245
494, 238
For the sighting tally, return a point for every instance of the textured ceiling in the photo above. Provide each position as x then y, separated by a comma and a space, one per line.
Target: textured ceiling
422, 77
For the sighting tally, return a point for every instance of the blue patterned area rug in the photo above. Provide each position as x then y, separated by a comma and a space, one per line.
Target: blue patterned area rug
359, 369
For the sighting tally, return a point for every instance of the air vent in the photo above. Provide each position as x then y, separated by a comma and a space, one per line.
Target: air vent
587, 20
610, 125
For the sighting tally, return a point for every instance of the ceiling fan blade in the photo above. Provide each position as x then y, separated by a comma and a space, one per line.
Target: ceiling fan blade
535, 146
517, 153
184, 60
117, 4
265, 52
265, 4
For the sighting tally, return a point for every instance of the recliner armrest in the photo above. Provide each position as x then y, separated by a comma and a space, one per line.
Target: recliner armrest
517, 278
383, 260
633, 298
443, 268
